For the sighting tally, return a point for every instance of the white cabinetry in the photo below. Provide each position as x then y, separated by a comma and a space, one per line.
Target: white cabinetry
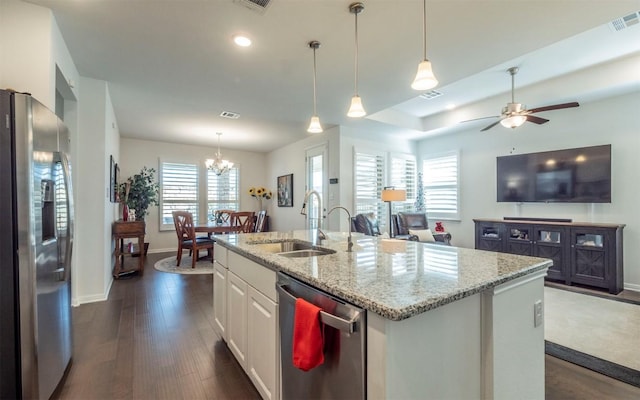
237, 318
252, 322
262, 343
220, 291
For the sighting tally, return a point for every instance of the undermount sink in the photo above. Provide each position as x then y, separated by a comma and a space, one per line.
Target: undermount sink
306, 253
290, 248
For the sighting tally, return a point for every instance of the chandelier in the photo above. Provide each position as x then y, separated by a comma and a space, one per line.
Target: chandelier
217, 164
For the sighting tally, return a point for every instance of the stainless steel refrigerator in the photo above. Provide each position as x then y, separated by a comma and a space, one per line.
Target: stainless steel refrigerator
36, 236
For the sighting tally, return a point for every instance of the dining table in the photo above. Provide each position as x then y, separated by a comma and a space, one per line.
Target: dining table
212, 228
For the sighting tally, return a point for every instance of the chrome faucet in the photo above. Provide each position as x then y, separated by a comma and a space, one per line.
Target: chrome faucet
303, 211
349, 240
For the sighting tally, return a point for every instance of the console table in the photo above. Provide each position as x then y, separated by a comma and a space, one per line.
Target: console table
582, 253
121, 230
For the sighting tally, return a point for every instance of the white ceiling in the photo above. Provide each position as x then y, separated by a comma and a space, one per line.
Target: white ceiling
172, 67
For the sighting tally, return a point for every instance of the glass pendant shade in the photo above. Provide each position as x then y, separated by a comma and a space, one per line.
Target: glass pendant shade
314, 125
356, 110
425, 79
513, 121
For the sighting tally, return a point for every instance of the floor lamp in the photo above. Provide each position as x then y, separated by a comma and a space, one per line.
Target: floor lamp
390, 194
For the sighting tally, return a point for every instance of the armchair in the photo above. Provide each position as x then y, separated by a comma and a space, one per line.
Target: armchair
405, 222
365, 223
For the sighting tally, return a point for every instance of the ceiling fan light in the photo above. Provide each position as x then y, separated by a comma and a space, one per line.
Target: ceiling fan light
513, 121
314, 125
356, 110
425, 79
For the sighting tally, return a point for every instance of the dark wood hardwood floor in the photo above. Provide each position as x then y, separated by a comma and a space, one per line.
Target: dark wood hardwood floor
154, 339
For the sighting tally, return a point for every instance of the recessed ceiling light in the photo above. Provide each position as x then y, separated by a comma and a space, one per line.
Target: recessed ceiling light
241, 40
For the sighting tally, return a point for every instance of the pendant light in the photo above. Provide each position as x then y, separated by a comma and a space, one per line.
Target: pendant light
425, 79
218, 165
356, 110
314, 126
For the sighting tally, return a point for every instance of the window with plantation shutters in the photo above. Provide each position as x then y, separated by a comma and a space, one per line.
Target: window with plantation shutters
178, 191
223, 191
441, 185
403, 176
369, 171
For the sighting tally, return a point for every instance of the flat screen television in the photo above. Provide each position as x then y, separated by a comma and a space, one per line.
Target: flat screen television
581, 175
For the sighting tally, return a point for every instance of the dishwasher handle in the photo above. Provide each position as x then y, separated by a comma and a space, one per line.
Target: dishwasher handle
325, 317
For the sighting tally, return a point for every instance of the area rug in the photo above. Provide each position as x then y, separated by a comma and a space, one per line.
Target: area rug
594, 332
168, 264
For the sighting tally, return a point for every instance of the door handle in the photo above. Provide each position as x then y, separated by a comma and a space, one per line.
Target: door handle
325, 317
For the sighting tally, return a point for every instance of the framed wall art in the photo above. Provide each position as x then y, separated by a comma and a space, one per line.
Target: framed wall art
285, 190
113, 181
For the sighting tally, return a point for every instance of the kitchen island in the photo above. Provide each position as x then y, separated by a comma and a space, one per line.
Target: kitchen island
442, 322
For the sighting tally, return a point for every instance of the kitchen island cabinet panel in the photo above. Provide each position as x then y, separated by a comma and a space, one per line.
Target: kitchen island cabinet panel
237, 317
263, 350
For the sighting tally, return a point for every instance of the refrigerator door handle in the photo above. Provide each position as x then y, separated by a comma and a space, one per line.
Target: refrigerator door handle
326, 318
69, 242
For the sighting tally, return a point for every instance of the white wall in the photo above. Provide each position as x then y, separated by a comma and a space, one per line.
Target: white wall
25, 50
135, 154
611, 121
94, 213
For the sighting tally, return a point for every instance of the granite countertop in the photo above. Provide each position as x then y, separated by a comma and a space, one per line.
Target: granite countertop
396, 279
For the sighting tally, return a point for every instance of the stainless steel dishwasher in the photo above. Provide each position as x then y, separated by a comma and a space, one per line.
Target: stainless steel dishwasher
343, 373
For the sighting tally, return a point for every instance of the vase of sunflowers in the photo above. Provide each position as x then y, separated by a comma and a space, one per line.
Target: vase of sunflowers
260, 193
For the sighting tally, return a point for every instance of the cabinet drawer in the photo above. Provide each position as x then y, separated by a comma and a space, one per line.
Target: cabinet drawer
220, 254
261, 278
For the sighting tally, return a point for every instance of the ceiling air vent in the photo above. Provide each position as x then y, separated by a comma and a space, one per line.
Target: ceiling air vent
259, 6
431, 94
230, 115
627, 21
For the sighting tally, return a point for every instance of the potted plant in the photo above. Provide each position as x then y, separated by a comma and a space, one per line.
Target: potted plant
139, 192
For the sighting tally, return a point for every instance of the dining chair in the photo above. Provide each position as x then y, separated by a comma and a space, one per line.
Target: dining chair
242, 221
261, 220
222, 216
187, 239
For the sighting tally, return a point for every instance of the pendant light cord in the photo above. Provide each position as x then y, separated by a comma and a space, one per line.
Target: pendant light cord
424, 29
356, 56
314, 82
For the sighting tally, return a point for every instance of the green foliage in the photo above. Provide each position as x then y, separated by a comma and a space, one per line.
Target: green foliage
142, 192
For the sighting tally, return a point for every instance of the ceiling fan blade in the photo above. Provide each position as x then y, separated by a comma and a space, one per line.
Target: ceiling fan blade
536, 120
554, 107
478, 119
491, 126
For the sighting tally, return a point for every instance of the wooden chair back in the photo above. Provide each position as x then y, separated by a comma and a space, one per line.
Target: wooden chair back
187, 239
242, 221
261, 219
183, 221
225, 216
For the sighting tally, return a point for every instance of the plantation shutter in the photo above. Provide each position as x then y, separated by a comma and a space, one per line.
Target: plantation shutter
179, 191
223, 191
403, 176
368, 183
441, 186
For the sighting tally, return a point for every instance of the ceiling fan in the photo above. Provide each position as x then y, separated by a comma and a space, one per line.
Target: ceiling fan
515, 114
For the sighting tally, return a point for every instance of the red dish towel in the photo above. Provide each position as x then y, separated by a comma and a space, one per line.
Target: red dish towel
308, 342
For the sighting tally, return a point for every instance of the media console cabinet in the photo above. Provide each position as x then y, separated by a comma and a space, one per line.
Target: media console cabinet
582, 253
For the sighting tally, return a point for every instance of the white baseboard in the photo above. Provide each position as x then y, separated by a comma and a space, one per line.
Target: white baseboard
91, 299
632, 286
